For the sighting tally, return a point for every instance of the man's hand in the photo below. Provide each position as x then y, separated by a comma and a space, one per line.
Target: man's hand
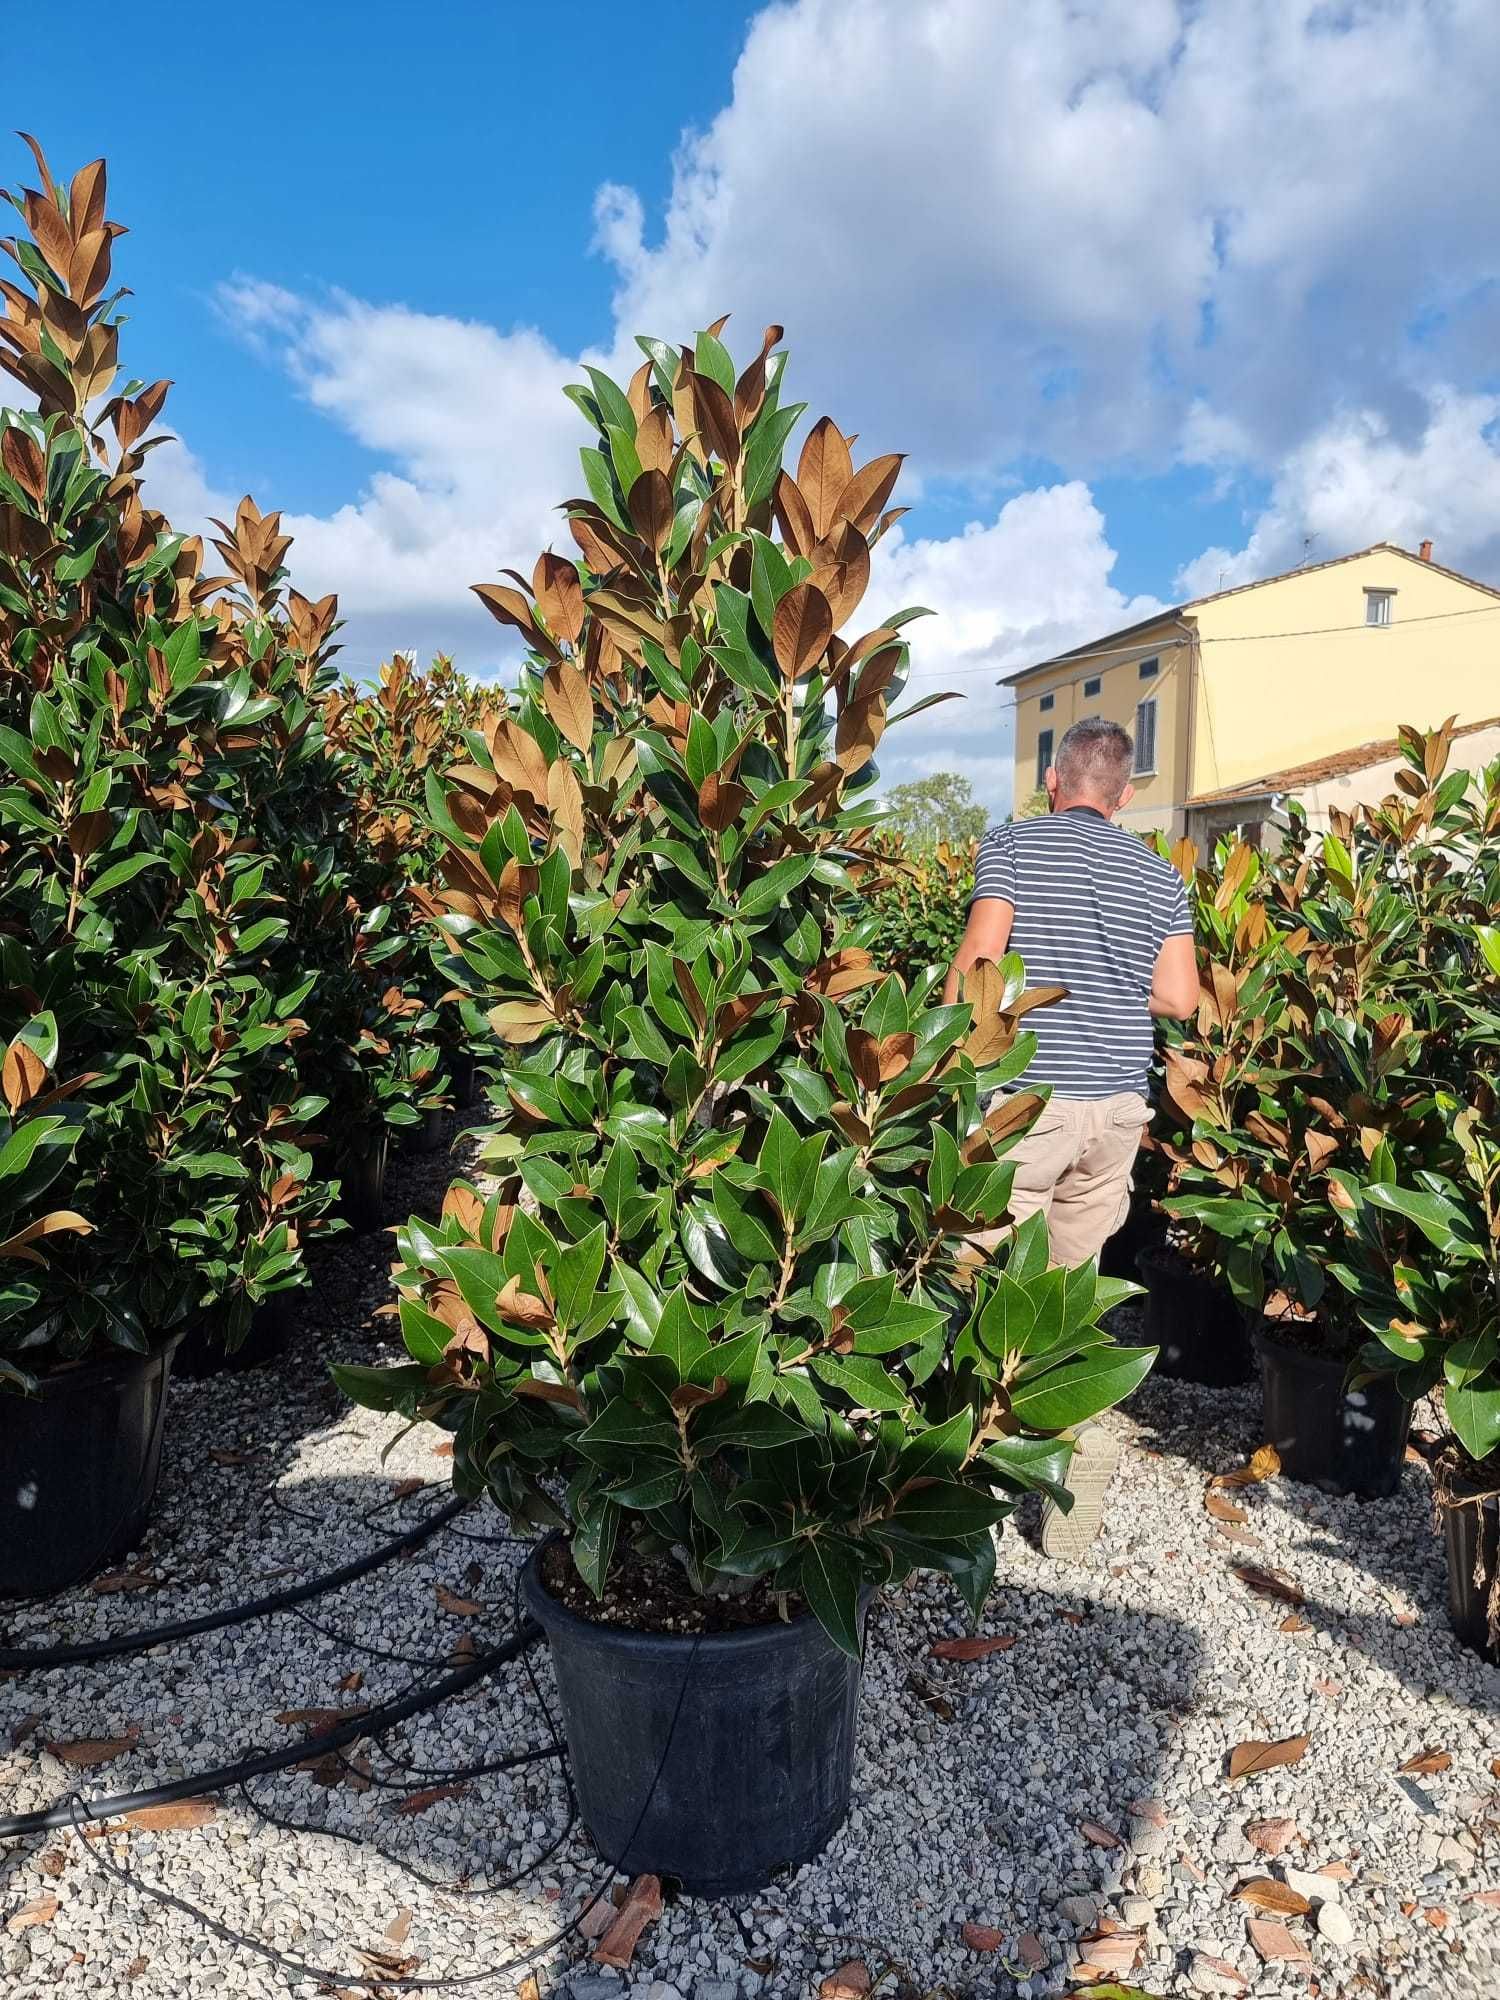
986, 936
1174, 982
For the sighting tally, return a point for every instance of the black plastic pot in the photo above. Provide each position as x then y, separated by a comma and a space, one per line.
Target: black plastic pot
79, 1462
461, 1081
747, 1738
361, 1199
203, 1353
1471, 1534
1338, 1439
428, 1135
1194, 1321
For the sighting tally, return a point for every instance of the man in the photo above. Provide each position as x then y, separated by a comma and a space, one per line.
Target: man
1091, 908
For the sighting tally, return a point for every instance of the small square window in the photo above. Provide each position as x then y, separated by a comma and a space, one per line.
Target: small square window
1378, 606
1043, 755
1150, 669
1091, 686
1045, 704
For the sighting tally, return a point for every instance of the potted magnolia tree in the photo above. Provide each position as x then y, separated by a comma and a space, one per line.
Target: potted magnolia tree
716, 1327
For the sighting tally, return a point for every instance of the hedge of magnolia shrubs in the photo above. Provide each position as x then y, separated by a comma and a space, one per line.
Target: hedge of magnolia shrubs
216, 995
1330, 1131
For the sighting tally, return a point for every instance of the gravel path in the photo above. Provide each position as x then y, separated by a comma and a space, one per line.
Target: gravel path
1071, 1780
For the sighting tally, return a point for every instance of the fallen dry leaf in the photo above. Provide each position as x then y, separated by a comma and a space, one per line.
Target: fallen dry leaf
396, 1930
1149, 1810
1262, 1893
418, 1802
52, 1863
1436, 1917
1110, 1951
385, 1964
1271, 1836
403, 1489
223, 1454
1241, 1537
981, 1937
1337, 1870
185, 1813
1248, 1758
24, 1727
444, 1450
1222, 1509
136, 1967
1426, 1763
40, 1910
1292, 1623
1333, 1689
460, 1607
90, 1751
850, 1982
1274, 1942
351, 1683
1268, 1583
929, 1697
1265, 1463
1489, 1898
1222, 1967
1033, 1952
642, 1906
1405, 1618
528, 1988
1100, 1836
464, 1650
123, 1579
970, 1649
319, 1719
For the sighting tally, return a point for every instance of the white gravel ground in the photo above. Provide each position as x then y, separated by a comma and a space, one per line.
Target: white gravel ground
1130, 1679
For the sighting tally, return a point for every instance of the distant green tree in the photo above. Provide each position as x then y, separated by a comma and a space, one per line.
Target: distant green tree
939, 808
1033, 805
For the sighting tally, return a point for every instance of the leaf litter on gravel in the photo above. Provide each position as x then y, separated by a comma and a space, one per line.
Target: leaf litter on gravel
1247, 1758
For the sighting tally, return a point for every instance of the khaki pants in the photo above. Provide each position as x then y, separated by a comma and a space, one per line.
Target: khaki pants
1074, 1166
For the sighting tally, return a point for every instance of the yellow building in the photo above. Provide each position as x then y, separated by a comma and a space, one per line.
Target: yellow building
1225, 695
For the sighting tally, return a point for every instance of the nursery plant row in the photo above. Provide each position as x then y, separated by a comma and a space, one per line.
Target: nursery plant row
715, 1319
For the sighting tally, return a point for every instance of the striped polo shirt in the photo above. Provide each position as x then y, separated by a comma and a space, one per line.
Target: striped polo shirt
1092, 905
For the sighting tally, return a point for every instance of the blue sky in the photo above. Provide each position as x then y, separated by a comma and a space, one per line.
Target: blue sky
1151, 292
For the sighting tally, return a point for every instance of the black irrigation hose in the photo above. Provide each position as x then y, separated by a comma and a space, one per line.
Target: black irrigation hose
37, 1659
383, 1716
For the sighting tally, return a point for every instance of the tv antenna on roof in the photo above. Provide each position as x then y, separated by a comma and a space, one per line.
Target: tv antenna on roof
1307, 542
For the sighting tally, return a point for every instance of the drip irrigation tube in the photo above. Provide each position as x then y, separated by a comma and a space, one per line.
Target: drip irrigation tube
371, 1722
38, 1659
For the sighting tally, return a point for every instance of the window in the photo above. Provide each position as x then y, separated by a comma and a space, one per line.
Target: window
1378, 606
1045, 704
1150, 669
1043, 755
1091, 686
1145, 737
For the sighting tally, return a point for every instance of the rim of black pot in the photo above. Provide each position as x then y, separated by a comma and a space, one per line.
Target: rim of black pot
744, 1637
113, 1361
1261, 1336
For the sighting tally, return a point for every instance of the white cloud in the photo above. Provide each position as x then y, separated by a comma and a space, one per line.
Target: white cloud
1123, 234
1032, 582
994, 229
1357, 481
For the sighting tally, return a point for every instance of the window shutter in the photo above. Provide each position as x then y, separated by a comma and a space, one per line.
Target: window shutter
1145, 737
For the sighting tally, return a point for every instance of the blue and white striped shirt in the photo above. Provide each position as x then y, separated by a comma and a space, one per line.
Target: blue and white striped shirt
1092, 906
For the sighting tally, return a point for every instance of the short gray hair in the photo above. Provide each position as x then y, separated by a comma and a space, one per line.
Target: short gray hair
1095, 757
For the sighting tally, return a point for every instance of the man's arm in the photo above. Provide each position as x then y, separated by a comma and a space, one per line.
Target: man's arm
1174, 982
985, 936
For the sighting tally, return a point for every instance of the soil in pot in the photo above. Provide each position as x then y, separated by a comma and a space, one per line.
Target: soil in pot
1468, 1499
1340, 1439
361, 1199
203, 1352
1194, 1321
461, 1083
105, 1415
714, 1757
